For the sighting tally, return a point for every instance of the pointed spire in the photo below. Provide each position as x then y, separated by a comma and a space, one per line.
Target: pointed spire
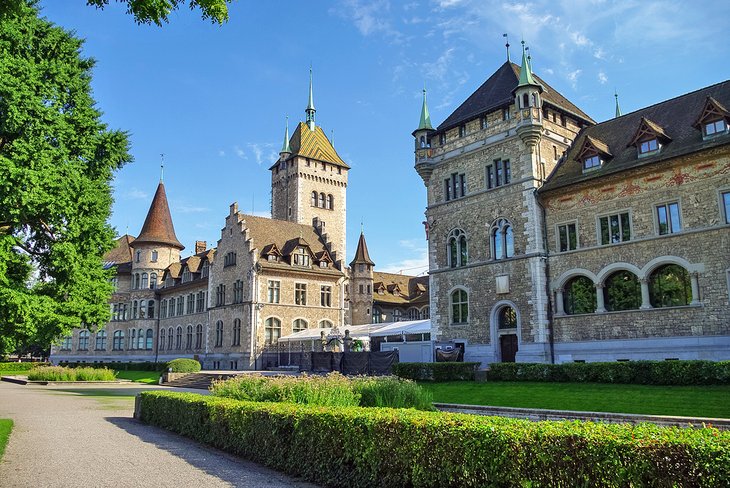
162, 166
158, 228
525, 72
310, 111
286, 148
362, 256
618, 109
425, 122
506, 38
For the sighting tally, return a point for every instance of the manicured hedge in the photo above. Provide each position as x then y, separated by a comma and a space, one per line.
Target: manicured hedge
128, 366
359, 447
182, 365
19, 366
60, 373
436, 371
633, 372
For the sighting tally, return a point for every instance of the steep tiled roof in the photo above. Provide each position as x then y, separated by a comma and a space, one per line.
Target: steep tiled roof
675, 118
496, 92
361, 254
413, 289
313, 144
122, 252
158, 226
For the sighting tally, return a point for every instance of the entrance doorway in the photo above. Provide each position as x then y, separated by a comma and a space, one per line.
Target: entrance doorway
508, 347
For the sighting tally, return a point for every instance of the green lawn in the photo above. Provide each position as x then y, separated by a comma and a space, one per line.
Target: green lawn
148, 377
6, 425
689, 401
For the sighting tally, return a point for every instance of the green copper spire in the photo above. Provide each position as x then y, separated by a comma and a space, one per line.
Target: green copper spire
310, 111
286, 148
425, 122
618, 109
525, 71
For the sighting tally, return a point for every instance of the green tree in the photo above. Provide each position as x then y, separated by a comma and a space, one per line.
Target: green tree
56, 164
158, 11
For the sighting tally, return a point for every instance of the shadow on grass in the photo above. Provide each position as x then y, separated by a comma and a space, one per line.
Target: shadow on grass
226, 467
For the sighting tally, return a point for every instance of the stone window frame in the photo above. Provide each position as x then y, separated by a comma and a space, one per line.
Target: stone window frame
100, 340
84, 340
219, 333
495, 331
300, 293
189, 337
163, 339
199, 336
273, 291
655, 215
325, 323
118, 340
724, 215
236, 332
632, 235
271, 325
501, 225
451, 304
377, 317
577, 235
299, 320
325, 295
457, 238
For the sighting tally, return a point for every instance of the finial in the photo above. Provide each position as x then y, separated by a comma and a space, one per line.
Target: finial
425, 122
618, 108
506, 45
286, 148
529, 57
162, 166
362, 226
332, 137
310, 111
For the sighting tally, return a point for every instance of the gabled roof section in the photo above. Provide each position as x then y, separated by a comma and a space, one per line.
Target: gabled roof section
292, 244
362, 256
649, 130
496, 92
400, 289
591, 147
158, 228
313, 144
271, 250
713, 110
675, 117
323, 256
121, 253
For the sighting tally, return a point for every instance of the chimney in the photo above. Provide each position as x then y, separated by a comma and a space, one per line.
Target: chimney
200, 246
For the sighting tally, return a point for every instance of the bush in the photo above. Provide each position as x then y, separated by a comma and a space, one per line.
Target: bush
357, 447
59, 373
19, 366
182, 365
128, 366
632, 372
334, 390
436, 371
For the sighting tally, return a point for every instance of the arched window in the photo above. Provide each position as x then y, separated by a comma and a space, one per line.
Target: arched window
198, 336
178, 338
423, 141
502, 240
397, 315
151, 309
413, 314
148, 340
169, 338
135, 312
507, 318
330, 202
325, 324
458, 253
670, 286
377, 315
299, 325
459, 307
219, 333
622, 291
153, 256
101, 340
525, 100
321, 200
579, 296
140, 339
83, 340
145, 281
425, 313
132, 339
272, 328
189, 337
153, 280
136, 281
118, 340
314, 198
163, 337
143, 309
236, 332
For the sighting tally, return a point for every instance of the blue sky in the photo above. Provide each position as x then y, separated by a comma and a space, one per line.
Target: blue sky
213, 99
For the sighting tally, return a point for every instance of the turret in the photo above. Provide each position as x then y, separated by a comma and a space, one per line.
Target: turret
310, 110
528, 102
285, 148
361, 284
422, 138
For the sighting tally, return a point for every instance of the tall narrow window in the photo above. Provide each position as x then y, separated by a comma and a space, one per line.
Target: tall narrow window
457, 248
567, 237
145, 281
615, 228
314, 198
178, 338
330, 202
101, 340
199, 336
153, 256
273, 291
668, 218
236, 332
459, 307
321, 200
490, 177
118, 340
163, 339
272, 329
170, 338
502, 240
726, 204
219, 333
153, 281
189, 337
83, 340
300, 293
149, 339
325, 296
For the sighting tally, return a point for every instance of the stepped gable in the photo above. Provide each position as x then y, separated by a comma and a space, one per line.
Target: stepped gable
675, 120
361, 254
121, 253
496, 92
313, 144
158, 228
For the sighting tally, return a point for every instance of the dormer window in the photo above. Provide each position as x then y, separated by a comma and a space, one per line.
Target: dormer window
648, 147
483, 122
300, 257
713, 120
592, 162
272, 258
715, 128
187, 276
204, 271
649, 138
593, 154
462, 130
323, 264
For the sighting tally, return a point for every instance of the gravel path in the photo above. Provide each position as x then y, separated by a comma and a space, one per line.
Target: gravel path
71, 436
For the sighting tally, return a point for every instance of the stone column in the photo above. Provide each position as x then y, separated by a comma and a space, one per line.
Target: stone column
559, 310
645, 300
695, 288
600, 306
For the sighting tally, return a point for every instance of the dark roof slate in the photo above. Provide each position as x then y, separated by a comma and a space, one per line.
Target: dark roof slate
497, 92
675, 117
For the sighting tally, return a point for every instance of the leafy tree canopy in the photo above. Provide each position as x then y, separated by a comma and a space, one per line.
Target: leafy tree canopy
56, 165
158, 11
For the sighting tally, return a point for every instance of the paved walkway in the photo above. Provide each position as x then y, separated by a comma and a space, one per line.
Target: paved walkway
86, 436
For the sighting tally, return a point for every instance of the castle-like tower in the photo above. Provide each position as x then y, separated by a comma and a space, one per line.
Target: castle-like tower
309, 183
361, 284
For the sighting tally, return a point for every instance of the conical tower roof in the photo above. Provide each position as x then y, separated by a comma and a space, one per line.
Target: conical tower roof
361, 254
425, 122
158, 228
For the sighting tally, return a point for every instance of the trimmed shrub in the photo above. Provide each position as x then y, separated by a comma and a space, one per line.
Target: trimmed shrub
19, 366
631, 372
436, 371
334, 390
59, 373
128, 366
358, 447
182, 365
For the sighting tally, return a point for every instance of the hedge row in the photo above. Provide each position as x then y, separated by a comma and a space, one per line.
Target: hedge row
633, 372
359, 447
182, 365
435, 371
19, 366
129, 366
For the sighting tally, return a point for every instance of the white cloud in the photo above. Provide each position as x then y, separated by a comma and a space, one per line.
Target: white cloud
136, 194
572, 77
602, 78
239, 152
221, 153
369, 17
190, 209
416, 264
263, 152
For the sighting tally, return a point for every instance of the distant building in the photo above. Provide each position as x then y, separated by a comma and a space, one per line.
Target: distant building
556, 239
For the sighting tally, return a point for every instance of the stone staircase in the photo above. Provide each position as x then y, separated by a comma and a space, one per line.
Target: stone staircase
200, 381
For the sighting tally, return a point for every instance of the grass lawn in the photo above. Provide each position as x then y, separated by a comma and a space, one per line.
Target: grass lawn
688, 401
6, 425
148, 377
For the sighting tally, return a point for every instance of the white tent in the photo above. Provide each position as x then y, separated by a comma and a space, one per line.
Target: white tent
364, 331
